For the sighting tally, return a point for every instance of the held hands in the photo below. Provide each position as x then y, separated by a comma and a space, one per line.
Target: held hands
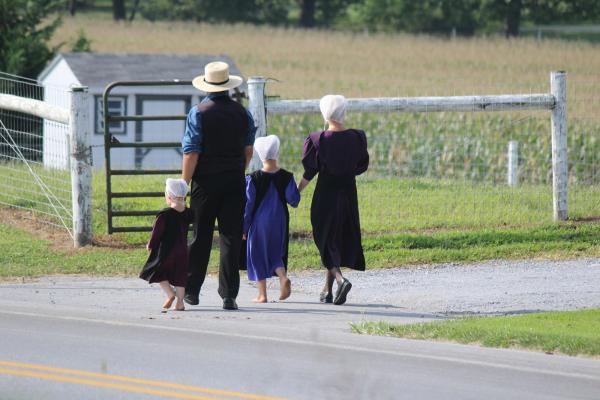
303, 183
244, 237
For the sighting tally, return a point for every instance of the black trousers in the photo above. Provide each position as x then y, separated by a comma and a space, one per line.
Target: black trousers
219, 197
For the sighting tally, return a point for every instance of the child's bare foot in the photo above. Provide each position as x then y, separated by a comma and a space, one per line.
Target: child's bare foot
260, 299
168, 303
286, 289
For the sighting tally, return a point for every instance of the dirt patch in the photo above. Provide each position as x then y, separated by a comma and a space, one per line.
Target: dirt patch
59, 238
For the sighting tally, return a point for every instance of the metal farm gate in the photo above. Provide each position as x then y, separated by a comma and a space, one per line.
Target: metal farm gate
142, 148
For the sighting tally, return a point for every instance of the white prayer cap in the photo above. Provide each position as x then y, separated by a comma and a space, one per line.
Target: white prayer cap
176, 187
267, 147
333, 107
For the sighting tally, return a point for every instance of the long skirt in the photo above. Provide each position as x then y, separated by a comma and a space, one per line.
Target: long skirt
335, 222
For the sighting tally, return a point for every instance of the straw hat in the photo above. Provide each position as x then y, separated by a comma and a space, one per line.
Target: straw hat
216, 78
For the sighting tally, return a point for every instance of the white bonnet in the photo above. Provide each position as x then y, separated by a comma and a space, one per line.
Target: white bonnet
333, 107
176, 187
267, 147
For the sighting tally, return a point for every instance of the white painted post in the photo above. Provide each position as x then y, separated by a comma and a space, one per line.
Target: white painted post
81, 169
256, 106
558, 87
513, 163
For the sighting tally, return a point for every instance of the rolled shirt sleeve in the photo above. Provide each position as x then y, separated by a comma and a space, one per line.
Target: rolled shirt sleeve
251, 130
192, 138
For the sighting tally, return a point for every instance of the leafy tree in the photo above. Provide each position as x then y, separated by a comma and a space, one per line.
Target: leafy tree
307, 13
252, 11
119, 12
24, 34
513, 12
432, 16
323, 13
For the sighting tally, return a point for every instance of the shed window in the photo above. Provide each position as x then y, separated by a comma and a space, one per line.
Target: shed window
117, 105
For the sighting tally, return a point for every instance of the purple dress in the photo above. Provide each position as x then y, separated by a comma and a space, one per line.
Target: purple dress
168, 259
266, 226
337, 157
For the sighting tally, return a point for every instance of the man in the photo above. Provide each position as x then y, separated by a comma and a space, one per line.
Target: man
217, 147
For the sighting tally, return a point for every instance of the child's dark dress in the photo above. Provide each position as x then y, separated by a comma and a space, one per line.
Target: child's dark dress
168, 260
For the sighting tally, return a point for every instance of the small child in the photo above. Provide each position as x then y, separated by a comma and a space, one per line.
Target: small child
168, 260
266, 219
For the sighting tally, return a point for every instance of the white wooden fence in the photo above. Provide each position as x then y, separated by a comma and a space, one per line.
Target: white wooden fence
555, 101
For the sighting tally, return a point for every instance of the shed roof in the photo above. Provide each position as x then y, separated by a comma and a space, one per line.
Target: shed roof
100, 69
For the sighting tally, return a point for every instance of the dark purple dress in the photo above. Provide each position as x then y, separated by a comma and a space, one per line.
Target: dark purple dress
168, 260
337, 157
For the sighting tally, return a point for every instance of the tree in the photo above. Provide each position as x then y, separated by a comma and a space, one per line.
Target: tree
430, 16
119, 13
513, 12
25, 29
72, 5
307, 13
134, 9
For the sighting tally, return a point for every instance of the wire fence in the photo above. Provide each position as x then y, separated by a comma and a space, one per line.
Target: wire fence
34, 158
450, 169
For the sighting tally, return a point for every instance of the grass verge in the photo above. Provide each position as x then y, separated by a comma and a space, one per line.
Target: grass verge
569, 332
25, 253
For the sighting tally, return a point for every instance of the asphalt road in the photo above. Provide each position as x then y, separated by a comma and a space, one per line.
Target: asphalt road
100, 338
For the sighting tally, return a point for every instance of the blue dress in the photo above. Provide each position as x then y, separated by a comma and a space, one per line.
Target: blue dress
267, 227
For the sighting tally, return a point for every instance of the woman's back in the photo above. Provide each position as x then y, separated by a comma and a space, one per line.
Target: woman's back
336, 153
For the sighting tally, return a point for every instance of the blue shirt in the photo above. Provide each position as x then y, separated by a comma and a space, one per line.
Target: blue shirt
192, 138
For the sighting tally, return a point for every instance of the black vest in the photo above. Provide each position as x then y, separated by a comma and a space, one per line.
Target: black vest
224, 125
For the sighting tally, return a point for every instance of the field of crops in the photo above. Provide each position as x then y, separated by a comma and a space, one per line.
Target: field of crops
459, 146
429, 170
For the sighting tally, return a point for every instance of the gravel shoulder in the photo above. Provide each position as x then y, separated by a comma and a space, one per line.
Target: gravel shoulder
401, 295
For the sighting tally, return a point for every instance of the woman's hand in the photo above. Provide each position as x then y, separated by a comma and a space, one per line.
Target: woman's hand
244, 237
303, 183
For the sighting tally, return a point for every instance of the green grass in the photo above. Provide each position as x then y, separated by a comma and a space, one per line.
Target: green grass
404, 222
391, 205
572, 332
21, 254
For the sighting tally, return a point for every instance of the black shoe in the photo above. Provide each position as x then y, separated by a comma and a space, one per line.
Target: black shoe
326, 297
342, 292
229, 304
191, 299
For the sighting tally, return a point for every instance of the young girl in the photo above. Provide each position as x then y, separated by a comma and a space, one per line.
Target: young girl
168, 260
266, 219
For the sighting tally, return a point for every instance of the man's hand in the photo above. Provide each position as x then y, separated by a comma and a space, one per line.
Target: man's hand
188, 166
248, 150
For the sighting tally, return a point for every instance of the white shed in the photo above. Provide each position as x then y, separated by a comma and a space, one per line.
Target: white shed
96, 71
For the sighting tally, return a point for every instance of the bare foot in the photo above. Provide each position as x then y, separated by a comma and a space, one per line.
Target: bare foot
286, 289
260, 299
168, 303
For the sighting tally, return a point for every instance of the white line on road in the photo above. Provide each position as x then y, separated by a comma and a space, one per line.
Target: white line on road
314, 344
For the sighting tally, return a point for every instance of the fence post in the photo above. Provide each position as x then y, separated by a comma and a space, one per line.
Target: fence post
513, 163
558, 86
81, 169
256, 106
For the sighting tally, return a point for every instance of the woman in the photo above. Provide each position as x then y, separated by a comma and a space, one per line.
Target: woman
337, 155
